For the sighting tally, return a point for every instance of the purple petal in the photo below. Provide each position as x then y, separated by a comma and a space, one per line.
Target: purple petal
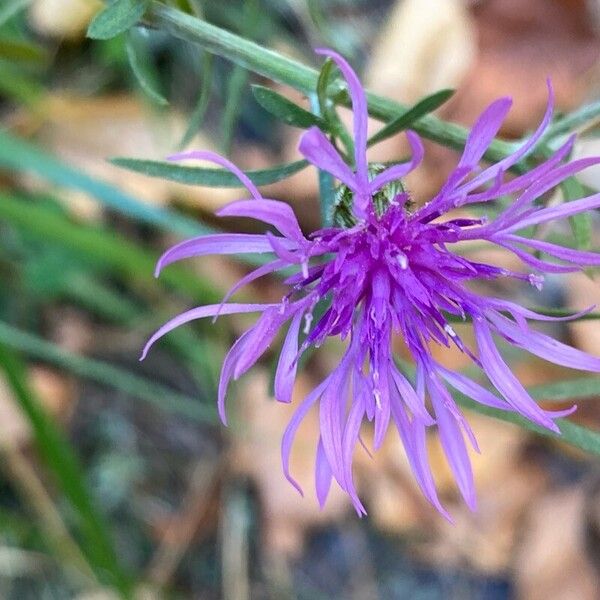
223, 162
410, 397
350, 438
265, 269
359, 110
276, 213
200, 313
580, 257
323, 475
285, 375
471, 389
261, 336
544, 346
227, 373
561, 211
399, 171
533, 261
452, 441
414, 442
484, 131
504, 381
218, 243
290, 432
514, 158
319, 151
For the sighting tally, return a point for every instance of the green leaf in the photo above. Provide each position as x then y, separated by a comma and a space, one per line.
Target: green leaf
419, 110
58, 455
11, 8
570, 389
207, 176
327, 111
116, 18
281, 69
581, 224
21, 51
285, 110
575, 435
238, 78
140, 61
199, 112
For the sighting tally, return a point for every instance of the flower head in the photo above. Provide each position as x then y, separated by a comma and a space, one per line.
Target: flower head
393, 270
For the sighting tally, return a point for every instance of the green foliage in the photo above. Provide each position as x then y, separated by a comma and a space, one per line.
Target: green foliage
58, 455
116, 18
419, 110
285, 110
581, 224
141, 65
209, 177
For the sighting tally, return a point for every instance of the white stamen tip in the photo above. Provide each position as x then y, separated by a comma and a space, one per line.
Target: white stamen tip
537, 281
307, 323
377, 396
402, 260
448, 329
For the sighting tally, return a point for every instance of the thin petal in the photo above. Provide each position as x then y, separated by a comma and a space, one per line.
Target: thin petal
544, 346
319, 151
276, 213
285, 375
292, 428
359, 110
453, 443
484, 131
523, 151
471, 389
223, 162
227, 373
414, 441
200, 313
580, 257
504, 381
410, 397
323, 475
398, 171
218, 243
561, 211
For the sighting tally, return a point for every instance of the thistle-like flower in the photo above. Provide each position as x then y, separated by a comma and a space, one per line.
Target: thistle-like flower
387, 269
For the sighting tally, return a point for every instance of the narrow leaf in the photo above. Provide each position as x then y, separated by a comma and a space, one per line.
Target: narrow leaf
207, 176
581, 224
58, 455
571, 433
285, 110
116, 18
197, 116
404, 121
11, 8
141, 65
21, 51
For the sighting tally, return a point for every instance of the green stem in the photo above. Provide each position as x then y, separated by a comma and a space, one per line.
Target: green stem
281, 69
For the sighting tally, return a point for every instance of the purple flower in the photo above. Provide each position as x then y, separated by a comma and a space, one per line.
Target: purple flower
392, 270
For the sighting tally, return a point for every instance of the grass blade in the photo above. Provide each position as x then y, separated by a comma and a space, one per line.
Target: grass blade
114, 377
22, 156
58, 455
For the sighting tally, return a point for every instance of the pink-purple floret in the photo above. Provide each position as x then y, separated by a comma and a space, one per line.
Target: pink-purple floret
396, 274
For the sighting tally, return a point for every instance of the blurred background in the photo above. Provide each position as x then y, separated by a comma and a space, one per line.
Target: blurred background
116, 477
